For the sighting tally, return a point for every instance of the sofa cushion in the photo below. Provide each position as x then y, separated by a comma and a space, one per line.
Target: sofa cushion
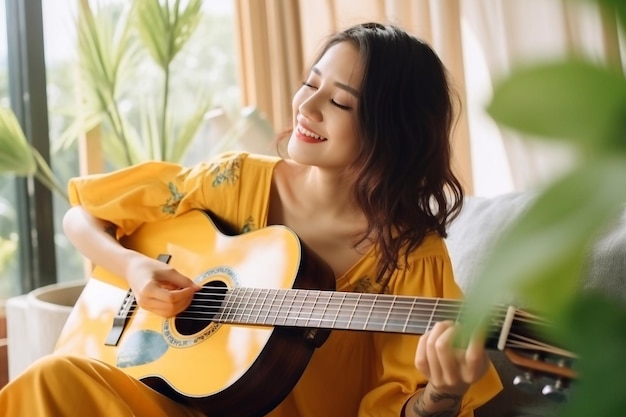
472, 234
606, 262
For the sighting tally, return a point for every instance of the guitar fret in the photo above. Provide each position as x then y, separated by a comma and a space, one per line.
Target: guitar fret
288, 307
382, 313
241, 307
308, 308
356, 305
257, 319
338, 309
302, 296
386, 321
368, 316
399, 316
408, 316
270, 320
228, 301
281, 296
325, 312
250, 303
236, 305
432, 314
236, 315
313, 311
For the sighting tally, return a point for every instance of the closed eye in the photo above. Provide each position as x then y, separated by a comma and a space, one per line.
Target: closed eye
333, 102
341, 106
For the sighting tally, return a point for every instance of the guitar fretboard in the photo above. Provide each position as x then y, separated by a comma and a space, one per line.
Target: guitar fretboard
334, 310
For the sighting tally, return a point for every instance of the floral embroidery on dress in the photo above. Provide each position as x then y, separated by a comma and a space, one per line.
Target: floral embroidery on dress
248, 226
172, 203
227, 171
365, 285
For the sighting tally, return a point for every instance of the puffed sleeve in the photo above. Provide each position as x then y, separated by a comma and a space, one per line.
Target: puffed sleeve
154, 191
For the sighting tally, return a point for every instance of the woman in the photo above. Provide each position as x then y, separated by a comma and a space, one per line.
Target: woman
367, 185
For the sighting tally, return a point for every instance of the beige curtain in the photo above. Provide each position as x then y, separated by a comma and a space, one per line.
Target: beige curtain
479, 41
502, 34
270, 51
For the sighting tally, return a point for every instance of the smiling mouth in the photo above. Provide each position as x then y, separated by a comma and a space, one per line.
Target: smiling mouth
310, 134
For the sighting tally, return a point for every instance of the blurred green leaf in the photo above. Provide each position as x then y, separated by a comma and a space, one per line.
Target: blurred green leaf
596, 327
188, 131
618, 5
539, 259
77, 127
16, 154
572, 100
106, 52
164, 29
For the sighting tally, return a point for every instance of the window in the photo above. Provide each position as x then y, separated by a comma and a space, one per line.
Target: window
207, 60
8, 213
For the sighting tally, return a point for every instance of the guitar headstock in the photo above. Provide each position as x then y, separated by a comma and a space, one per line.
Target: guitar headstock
521, 337
536, 365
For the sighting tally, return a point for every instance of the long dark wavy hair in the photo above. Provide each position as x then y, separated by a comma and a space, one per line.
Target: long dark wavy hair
402, 174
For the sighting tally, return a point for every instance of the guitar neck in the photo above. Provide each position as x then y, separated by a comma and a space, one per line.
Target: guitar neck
335, 310
508, 327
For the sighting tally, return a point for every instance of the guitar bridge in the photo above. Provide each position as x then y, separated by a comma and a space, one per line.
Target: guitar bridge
120, 320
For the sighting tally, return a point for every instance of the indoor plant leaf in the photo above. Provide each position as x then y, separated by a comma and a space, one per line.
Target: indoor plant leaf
153, 31
187, 133
572, 99
618, 5
19, 157
164, 30
595, 327
106, 51
16, 154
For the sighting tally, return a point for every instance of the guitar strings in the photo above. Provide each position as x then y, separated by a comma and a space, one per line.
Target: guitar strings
314, 308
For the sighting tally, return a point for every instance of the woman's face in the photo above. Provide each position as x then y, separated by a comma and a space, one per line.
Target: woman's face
324, 110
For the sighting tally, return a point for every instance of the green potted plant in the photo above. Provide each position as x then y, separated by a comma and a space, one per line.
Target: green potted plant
541, 257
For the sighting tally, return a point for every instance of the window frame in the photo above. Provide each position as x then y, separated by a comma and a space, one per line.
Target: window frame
28, 98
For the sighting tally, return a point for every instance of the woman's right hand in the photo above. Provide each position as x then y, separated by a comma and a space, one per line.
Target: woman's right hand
158, 287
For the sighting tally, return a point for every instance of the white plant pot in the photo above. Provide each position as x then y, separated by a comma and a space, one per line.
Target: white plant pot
35, 321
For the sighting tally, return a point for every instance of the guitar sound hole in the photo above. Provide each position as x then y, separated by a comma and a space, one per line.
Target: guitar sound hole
205, 305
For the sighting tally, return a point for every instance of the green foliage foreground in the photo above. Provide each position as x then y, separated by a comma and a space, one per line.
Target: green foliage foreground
541, 257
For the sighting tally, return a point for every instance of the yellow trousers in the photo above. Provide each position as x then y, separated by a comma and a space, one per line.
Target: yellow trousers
65, 386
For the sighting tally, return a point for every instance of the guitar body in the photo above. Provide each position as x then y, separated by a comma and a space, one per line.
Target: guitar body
223, 369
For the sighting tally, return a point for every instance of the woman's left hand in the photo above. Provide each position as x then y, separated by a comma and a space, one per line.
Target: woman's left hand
450, 369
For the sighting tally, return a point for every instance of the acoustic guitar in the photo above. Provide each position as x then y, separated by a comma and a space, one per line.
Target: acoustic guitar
266, 303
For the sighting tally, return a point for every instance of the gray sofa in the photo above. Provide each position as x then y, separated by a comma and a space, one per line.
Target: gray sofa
469, 240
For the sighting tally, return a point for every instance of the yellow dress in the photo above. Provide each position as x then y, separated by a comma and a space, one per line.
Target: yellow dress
362, 374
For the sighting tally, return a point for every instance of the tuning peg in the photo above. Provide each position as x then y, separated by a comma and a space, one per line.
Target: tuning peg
555, 392
524, 382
